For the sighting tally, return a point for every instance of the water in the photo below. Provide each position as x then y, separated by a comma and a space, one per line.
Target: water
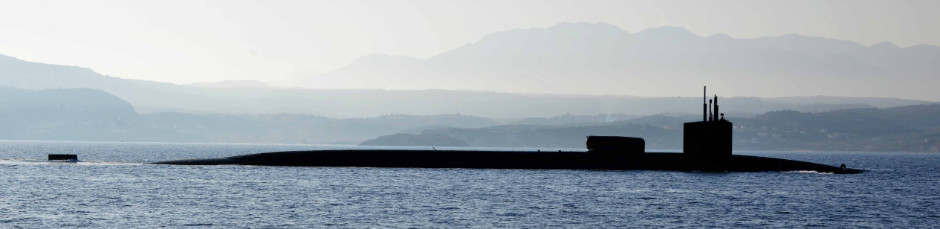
113, 187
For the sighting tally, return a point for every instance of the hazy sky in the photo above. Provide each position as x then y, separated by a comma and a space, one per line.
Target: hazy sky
196, 41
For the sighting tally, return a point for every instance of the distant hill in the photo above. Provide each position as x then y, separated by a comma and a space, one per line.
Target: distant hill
913, 128
602, 59
573, 119
826, 100
45, 114
95, 115
147, 95
232, 83
237, 98
415, 140
63, 103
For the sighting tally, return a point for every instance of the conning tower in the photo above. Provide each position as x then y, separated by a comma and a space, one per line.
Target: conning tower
710, 138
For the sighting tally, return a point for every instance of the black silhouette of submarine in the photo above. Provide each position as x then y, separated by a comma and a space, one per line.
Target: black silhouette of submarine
706, 147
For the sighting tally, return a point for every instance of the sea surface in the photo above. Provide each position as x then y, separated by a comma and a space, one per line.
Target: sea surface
114, 187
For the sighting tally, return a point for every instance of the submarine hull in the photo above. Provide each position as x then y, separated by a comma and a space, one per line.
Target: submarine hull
516, 160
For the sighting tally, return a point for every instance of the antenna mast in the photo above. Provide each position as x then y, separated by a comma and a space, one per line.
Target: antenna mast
704, 104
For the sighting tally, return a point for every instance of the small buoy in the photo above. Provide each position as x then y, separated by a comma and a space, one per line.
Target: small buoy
63, 157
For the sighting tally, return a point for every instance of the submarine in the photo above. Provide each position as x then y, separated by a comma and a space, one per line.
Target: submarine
706, 148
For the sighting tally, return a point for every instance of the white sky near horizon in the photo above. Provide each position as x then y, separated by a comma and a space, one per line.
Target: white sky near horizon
205, 40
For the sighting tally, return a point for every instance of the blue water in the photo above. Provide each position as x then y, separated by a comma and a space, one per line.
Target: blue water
113, 187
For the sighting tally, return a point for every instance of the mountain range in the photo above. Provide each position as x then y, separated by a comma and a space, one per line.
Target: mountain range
602, 59
577, 69
255, 98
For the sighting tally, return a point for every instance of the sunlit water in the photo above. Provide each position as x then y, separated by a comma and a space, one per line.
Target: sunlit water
113, 187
